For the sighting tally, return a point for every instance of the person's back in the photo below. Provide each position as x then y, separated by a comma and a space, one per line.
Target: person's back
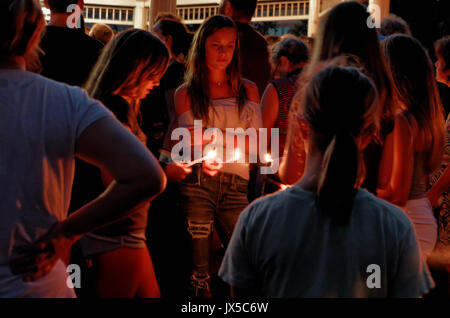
69, 56
69, 53
37, 160
322, 260
43, 125
254, 56
253, 51
325, 237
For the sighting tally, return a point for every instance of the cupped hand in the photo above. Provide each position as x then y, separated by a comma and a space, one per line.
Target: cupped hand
177, 171
37, 259
212, 167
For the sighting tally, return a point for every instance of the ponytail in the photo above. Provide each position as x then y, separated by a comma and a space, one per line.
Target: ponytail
337, 182
341, 107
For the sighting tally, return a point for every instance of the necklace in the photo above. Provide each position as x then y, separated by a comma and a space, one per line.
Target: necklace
219, 83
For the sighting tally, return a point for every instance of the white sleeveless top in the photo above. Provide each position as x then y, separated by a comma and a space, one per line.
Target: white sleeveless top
224, 114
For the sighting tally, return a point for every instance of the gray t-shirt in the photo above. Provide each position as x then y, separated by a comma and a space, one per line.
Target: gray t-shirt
40, 122
283, 247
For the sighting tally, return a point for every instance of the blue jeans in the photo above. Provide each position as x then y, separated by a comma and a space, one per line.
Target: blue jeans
206, 201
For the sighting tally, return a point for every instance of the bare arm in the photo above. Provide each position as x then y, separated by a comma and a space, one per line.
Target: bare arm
397, 191
269, 106
293, 164
136, 173
137, 177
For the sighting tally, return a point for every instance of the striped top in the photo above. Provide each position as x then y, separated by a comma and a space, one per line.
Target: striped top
286, 88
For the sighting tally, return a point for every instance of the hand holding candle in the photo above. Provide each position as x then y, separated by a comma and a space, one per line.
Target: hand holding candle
211, 155
268, 158
211, 164
236, 156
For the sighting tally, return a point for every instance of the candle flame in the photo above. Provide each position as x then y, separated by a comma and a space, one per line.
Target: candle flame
237, 154
268, 158
211, 154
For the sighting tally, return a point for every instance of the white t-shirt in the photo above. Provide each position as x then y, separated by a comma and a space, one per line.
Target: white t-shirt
283, 247
40, 121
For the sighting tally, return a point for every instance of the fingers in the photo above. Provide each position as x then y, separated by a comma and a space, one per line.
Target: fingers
26, 259
211, 168
29, 264
177, 171
187, 170
31, 249
41, 270
33, 268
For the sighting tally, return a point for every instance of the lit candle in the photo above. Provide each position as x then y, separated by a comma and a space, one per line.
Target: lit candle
209, 156
268, 158
237, 156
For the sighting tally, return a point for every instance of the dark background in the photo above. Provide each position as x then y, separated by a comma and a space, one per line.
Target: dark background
429, 19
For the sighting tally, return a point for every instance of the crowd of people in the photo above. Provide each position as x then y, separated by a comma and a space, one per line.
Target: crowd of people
88, 120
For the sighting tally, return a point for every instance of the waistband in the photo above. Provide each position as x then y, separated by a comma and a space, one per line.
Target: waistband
92, 244
223, 176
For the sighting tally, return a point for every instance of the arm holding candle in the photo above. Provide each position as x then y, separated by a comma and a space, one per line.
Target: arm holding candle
242, 151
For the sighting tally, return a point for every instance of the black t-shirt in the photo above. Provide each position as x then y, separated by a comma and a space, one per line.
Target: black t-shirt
254, 56
70, 55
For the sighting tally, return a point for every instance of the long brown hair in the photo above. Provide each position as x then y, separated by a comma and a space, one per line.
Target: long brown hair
196, 79
130, 58
413, 75
344, 30
340, 106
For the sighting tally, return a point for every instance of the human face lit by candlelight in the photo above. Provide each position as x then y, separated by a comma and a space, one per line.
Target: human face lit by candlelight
146, 86
152, 81
219, 48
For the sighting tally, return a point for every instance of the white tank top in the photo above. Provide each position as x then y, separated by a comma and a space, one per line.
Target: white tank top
224, 114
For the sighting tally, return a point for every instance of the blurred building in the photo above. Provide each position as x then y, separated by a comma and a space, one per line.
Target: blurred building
122, 14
